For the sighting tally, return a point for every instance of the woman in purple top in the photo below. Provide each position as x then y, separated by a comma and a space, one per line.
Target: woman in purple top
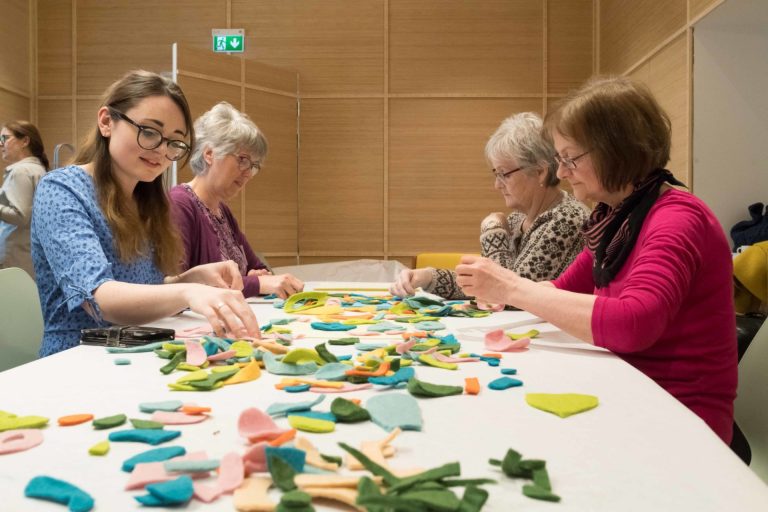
654, 282
229, 152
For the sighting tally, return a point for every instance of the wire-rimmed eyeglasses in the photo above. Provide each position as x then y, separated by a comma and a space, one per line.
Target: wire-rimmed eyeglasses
569, 163
244, 163
502, 175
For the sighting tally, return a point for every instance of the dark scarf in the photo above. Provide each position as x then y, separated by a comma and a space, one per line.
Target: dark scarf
611, 233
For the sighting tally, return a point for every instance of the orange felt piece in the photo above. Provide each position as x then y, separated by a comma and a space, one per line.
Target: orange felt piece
381, 370
247, 373
194, 409
415, 334
74, 419
472, 385
492, 354
283, 438
355, 401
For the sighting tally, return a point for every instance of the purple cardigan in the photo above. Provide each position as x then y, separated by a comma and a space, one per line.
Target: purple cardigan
201, 245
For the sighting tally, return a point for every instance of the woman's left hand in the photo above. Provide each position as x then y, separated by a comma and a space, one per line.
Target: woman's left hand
222, 274
486, 280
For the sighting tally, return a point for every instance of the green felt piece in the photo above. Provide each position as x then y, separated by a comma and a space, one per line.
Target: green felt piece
426, 389
182, 387
304, 300
282, 473
121, 361
562, 404
212, 380
344, 341
541, 478
466, 482
177, 358
325, 354
431, 475
195, 375
167, 405
442, 500
347, 411
511, 465
393, 410
530, 334
165, 354
331, 458
308, 424
473, 500
295, 501
303, 356
242, 349
109, 421
99, 449
13, 422
146, 424
430, 360
186, 367
539, 493
374, 468
59, 491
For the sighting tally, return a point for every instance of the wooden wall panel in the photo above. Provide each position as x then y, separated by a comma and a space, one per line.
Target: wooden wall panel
569, 44
271, 199
337, 46
14, 46
697, 7
453, 46
54, 47
341, 177
13, 106
271, 77
440, 187
204, 61
55, 124
146, 30
85, 119
630, 29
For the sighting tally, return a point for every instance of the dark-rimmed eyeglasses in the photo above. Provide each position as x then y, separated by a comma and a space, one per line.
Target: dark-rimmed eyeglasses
246, 164
4, 138
569, 163
502, 175
151, 138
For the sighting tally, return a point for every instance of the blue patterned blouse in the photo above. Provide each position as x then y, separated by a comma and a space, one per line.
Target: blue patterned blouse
73, 254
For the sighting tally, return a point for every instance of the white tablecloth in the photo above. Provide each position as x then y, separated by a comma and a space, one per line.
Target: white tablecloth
639, 450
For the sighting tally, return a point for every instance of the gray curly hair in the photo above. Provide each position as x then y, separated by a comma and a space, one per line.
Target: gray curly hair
225, 130
519, 139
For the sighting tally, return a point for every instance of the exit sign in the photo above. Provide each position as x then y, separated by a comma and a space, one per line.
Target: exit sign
228, 40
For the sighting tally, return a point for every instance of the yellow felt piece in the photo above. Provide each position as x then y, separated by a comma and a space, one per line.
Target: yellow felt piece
331, 309
315, 425
359, 321
229, 367
192, 376
99, 448
313, 457
252, 495
251, 371
278, 330
530, 334
399, 308
186, 367
562, 404
12, 422
242, 348
186, 387
428, 359
295, 381
405, 362
173, 347
5, 414
302, 356
364, 309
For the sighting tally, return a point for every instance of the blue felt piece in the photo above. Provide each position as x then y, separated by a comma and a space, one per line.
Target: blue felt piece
379, 316
331, 326
191, 466
504, 383
152, 437
345, 357
508, 371
386, 326
149, 347
492, 361
59, 491
153, 455
210, 348
367, 347
270, 296
402, 375
333, 372
297, 389
293, 456
325, 416
392, 410
281, 408
221, 343
278, 304
386, 306
281, 321
172, 492
448, 339
435, 310
276, 367
168, 405
120, 361
429, 325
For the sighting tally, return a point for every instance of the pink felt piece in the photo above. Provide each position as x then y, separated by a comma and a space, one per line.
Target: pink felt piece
146, 473
20, 440
345, 389
395, 332
255, 459
404, 347
177, 418
450, 359
284, 337
194, 332
499, 342
222, 355
231, 472
490, 307
196, 355
256, 425
206, 493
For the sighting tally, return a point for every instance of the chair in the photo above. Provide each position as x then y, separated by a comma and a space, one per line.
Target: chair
21, 319
750, 409
445, 260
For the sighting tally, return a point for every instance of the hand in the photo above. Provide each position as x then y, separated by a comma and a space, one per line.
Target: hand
226, 310
283, 285
486, 280
259, 272
495, 220
409, 280
222, 274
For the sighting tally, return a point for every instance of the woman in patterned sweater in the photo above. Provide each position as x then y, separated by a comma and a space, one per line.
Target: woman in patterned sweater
541, 236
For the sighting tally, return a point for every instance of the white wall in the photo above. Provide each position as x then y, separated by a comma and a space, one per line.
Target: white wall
730, 109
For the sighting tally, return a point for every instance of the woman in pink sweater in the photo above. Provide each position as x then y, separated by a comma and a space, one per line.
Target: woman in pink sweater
654, 282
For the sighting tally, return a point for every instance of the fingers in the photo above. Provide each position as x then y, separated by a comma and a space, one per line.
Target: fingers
403, 287
468, 259
236, 317
235, 279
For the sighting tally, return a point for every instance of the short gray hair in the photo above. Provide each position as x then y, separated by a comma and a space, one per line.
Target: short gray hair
520, 138
225, 129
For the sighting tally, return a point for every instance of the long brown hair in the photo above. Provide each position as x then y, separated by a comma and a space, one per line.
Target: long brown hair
25, 129
138, 230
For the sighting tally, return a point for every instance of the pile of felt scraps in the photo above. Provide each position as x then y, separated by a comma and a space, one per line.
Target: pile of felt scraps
514, 466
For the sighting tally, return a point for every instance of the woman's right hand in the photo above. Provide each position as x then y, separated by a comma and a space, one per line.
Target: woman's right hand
226, 310
409, 280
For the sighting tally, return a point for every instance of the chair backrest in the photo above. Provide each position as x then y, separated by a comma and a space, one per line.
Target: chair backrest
750, 406
446, 260
21, 319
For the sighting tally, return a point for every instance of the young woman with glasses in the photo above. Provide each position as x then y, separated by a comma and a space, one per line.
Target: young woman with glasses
655, 281
229, 151
103, 244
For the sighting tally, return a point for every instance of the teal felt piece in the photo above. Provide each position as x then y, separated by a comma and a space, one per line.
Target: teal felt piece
152, 437
402, 375
173, 492
386, 326
153, 455
293, 456
509, 371
392, 410
191, 466
59, 491
274, 366
331, 326
504, 383
429, 325
300, 388
168, 405
282, 408
325, 416
367, 347
333, 372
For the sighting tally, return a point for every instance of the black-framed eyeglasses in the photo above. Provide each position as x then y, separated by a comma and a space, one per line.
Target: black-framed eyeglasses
4, 138
569, 163
151, 138
502, 175
246, 164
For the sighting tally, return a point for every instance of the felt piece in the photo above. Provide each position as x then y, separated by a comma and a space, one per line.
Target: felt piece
484, 306
338, 494
184, 367
327, 309
206, 493
153, 455
450, 359
59, 491
288, 381
472, 385
149, 347
222, 356
74, 419
402, 348
121, 361
303, 301
99, 449
386, 326
294, 457
371, 457
503, 383
498, 341
401, 375
295, 501
145, 473
331, 326
300, 388
192, 376
213, 381
153, 437
177, 418
520, 336
173, 492
429, 326
255, 458
318, 415
347, 411
247, 373
563, 404
332, 371
13, 422
231, 472
190, 466
252, 495
256, 425
345, 389
326, 354
177, 358
429, 360
473, 499
196, 354
305, 480
109, 421
508, 371
367, 347
303, 356
344, 341
282, 408
282, 473
395, 410
429, 390
19, 440
309, 424
279, 368
283, 438
168, 405
242, 349
174, 347
195, 409
314, 457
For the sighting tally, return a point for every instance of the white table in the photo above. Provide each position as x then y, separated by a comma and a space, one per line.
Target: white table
639, 450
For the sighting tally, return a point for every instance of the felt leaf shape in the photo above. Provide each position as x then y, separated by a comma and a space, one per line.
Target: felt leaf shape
304, 300
256, 425
500, 342
249, 372
59, 491
13, 422
562, 404
395, 410
303, 356
196, 354
19, 440
252, 495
